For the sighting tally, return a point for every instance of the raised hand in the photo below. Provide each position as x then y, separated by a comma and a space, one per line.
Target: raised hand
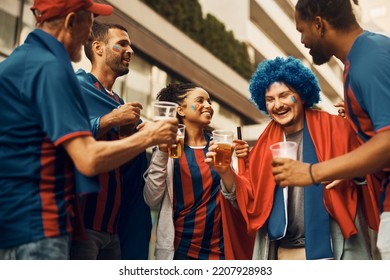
160, 132
128, 113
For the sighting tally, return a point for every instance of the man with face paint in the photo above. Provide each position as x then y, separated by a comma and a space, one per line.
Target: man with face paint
117, 219
298, 223
329, 28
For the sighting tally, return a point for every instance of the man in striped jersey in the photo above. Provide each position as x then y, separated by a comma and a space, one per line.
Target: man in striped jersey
119, 204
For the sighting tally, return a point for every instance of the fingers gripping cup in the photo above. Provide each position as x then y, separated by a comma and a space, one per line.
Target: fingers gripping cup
163, 110
223, 153
176, 150
286, 149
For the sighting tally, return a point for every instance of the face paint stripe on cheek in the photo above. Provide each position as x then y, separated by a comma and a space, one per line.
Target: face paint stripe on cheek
293, 99
116, 48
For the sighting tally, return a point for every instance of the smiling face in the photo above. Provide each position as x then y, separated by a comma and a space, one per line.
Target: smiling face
118, 51
196, 108
312, 38
285, 107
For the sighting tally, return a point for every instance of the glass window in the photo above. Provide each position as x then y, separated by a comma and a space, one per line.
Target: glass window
28, 21
138, 81
9, 13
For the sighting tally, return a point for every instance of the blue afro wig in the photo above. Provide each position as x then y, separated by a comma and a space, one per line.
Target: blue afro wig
289, 71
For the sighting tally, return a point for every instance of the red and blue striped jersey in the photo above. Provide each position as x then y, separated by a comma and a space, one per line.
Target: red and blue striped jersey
119, 207
41, 108
101, 210
367, 94
197, 207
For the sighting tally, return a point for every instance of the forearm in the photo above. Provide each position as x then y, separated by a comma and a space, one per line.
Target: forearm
106, 123
371, 157
93, 157
228, 179
108, 155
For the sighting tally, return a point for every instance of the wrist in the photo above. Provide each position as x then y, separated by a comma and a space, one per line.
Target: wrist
312, 175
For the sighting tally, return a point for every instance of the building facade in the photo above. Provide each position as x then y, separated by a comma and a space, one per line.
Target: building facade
164, 54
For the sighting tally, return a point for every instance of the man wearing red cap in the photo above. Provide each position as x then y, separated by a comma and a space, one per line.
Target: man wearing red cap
45, 134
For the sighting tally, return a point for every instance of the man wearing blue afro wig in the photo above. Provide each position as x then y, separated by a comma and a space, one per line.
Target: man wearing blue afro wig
297, 223
289, 71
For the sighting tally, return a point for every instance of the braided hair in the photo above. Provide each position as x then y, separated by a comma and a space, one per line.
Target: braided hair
177, 93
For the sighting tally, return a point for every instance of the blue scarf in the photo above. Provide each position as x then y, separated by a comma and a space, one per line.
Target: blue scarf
316, 218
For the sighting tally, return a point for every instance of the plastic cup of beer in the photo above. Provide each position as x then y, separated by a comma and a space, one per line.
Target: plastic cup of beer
163, 110
223, 153
176, 150
287, 149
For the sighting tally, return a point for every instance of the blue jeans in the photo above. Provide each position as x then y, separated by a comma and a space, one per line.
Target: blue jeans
98, 246
55, 248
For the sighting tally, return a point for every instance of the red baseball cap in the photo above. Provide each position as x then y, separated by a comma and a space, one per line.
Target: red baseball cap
50, 9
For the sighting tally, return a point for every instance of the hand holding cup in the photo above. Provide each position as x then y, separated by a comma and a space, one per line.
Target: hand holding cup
224, 150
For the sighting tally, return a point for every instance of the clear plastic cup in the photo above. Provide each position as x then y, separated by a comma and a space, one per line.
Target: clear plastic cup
287, 149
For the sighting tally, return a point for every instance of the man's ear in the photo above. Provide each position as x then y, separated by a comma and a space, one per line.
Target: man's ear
70, 21
97, 48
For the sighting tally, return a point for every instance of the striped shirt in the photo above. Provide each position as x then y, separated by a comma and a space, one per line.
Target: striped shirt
197, 207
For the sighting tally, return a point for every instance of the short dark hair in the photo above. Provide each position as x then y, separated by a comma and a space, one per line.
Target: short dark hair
289, 71
100, 33
338, 13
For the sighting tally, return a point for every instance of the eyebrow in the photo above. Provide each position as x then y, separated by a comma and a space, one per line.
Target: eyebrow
283, 92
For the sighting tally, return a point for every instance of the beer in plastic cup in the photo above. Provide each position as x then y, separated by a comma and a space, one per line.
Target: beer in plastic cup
223, 153
176, 150
163, 110
287, 149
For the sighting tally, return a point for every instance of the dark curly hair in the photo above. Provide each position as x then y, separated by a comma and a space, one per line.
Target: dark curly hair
338, 13
289, 71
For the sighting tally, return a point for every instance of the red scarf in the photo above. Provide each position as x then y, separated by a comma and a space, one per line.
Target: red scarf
238, 243
332, 136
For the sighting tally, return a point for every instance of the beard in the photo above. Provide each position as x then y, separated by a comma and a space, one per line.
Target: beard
121, 69
318, 57
116, 65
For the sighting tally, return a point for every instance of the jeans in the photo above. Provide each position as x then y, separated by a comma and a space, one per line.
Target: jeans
55, 248
98, 246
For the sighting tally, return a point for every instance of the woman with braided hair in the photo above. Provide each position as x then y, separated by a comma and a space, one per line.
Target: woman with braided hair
192, 222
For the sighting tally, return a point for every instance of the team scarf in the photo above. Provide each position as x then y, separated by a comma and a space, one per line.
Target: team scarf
325, 137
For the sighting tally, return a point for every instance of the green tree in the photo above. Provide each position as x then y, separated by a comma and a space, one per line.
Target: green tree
209, 32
